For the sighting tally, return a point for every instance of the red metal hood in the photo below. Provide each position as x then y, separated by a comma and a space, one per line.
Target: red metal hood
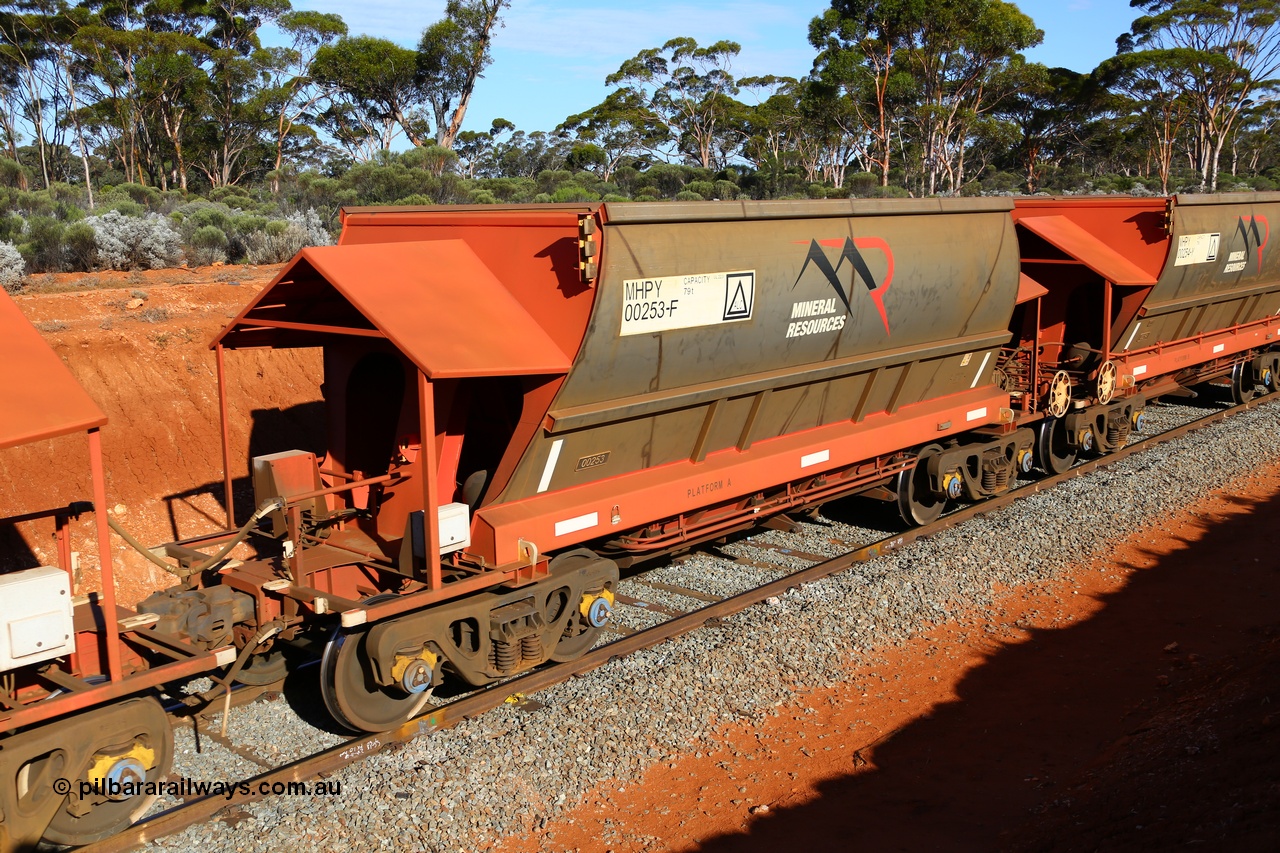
1088, 249
41, 399
436, 301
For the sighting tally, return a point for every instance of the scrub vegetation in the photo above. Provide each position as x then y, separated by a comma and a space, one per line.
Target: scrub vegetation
137, 135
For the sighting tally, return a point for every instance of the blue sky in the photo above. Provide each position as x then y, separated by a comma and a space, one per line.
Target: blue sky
551, 58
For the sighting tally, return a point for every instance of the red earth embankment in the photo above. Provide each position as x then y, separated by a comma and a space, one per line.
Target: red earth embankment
139, 344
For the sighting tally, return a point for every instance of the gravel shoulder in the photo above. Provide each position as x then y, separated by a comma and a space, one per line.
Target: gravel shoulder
1128, 706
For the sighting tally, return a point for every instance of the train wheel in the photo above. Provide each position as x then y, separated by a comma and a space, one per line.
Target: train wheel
1243, 386
353, 698
128, 745
918, 503
1054, 454
263, 670
590, 614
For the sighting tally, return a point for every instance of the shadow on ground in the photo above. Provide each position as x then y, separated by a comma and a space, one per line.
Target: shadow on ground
1098, 736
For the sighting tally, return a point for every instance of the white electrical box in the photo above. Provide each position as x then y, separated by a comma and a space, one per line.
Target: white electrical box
455, 527
35, 617
454, 523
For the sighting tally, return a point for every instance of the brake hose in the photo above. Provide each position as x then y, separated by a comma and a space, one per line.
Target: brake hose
241, 535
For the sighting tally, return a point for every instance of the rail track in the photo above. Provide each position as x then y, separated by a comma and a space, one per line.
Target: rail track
628, 640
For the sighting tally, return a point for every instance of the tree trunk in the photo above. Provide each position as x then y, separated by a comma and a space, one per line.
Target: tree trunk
1213, 166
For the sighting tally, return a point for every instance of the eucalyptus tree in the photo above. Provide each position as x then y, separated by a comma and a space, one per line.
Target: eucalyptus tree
236, 60
1154, 87
375, 93
834, 137
452, 55
941, 65
689, 91
292, 92
1254, 143
1227, 52
861, 74
771, 125
1048, 110
174, 94
475, 149
965, 55
26, 36
110, 44
622, 127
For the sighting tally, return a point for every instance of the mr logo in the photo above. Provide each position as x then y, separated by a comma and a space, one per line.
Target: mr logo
857, 267
1255, 234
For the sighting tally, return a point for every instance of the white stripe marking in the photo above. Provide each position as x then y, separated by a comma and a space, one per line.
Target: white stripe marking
1139, 370
1219, 348
974, 414
815, 458
981, 367
573, 525
1132, 335
552, 458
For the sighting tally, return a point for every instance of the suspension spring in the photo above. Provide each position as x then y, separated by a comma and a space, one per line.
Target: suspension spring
506, 655
531, 648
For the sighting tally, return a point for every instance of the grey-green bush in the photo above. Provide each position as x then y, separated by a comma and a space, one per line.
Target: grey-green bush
135, 243
12, 267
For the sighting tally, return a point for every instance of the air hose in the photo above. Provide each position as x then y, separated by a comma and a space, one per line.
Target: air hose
241, 535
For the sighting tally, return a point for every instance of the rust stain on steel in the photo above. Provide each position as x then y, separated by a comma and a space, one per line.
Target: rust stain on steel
39, 398
435, 301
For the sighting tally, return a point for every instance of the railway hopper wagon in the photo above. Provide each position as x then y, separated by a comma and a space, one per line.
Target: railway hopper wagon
1138, 297
596, 385
74, 667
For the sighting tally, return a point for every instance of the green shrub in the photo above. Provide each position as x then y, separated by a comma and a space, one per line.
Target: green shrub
861, 184
207, 245
13, 174
11, 227
126, 206
80, 242
573, 194
42, 244
705, 189
146, 196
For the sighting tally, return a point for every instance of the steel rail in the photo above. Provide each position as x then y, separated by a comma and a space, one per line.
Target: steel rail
488, 698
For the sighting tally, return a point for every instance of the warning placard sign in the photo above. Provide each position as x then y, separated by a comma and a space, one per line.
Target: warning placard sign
686, 301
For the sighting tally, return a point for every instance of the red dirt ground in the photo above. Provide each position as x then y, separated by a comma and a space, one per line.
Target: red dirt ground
1136, 708
138, 342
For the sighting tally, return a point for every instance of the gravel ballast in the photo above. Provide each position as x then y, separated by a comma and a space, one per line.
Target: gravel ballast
510, 769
